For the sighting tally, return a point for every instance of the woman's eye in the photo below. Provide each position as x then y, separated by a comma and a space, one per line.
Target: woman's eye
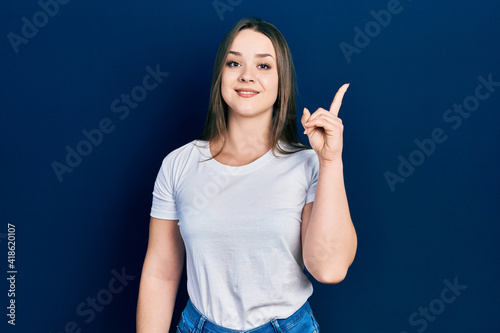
264, 66
232, 63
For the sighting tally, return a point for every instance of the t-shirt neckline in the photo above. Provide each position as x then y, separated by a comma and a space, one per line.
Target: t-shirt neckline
241, 169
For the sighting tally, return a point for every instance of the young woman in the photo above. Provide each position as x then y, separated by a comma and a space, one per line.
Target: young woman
247, 203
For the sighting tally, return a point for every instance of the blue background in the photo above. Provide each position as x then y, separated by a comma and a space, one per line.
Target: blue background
440, 224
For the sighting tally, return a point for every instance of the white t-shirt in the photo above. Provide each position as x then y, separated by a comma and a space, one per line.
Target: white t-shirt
241, 228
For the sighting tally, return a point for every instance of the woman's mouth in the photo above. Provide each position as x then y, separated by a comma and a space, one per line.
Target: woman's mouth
246, 93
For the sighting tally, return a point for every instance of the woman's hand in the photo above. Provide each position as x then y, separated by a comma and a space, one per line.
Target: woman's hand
324, 129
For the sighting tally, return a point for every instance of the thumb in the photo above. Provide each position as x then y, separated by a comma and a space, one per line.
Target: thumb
305, 114
305, 117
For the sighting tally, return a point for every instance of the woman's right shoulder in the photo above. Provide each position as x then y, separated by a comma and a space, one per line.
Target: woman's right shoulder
184, 152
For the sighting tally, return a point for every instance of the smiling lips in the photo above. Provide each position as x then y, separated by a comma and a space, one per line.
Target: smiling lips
246, 93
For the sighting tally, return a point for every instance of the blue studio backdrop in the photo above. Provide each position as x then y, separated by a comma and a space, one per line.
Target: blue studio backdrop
94, 94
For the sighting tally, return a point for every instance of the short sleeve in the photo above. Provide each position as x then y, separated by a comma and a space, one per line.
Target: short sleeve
163, 206
312, 170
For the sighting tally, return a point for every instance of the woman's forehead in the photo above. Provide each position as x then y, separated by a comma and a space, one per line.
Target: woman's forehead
249, 42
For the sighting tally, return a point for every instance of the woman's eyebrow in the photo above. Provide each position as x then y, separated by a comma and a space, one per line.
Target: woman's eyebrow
258, 55
263, 55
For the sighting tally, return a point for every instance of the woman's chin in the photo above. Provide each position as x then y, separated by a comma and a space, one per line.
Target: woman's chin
249, 112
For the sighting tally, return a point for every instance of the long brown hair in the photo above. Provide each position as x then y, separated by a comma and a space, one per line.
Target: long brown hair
283, 126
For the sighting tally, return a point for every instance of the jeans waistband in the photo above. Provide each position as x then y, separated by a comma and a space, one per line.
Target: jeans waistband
274, 325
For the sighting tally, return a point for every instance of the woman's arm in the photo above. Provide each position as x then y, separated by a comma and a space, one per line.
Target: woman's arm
329, 240
328, 236
160, 276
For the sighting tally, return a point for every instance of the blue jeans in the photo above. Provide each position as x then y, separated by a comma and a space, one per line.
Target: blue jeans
302, 321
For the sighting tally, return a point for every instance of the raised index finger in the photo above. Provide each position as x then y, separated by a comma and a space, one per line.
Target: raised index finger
337, 100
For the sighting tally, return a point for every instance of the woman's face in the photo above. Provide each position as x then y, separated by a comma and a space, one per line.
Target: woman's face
249, 83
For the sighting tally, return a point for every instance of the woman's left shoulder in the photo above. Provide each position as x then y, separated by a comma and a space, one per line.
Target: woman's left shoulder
303, 155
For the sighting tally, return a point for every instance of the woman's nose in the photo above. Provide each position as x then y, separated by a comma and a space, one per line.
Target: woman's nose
247, 75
